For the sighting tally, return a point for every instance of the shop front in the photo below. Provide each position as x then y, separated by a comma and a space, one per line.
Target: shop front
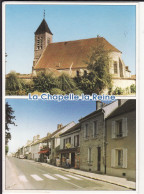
70, 158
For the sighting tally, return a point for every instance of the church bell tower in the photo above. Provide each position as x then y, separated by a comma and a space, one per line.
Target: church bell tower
43, 37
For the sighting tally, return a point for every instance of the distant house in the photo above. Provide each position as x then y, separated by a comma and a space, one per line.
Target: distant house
121, 141
69, 152
55, 140
27, 150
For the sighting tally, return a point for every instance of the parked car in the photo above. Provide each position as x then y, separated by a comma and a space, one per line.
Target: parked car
21, 157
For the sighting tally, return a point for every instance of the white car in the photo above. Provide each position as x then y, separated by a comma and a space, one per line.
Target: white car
21, 157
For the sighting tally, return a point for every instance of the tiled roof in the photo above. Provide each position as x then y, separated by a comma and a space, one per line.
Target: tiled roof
128, 106
71, 54
91, 115
43, 27
72, 129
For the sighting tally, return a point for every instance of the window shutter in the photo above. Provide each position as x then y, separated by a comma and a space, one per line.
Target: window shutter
124, 157
113, 129
93, 128
97, 127
124, 127
113, 158
74, 141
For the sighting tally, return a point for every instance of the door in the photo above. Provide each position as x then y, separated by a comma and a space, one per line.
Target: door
72, 159
99, 159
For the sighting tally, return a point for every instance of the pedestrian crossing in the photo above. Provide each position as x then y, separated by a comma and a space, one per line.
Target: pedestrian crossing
54, 177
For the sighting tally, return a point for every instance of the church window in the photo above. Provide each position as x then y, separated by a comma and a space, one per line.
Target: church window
115, 67
48, 40
85, 72
40, 42
77, 72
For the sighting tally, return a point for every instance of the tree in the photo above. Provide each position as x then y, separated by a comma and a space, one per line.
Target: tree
44, 82
98, 77
65, 83
9, 120
12, 82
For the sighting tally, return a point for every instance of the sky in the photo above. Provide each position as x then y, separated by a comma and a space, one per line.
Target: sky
40, 117
116, 23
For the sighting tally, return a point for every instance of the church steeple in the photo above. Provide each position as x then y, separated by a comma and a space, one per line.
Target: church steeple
43, 27
43, 37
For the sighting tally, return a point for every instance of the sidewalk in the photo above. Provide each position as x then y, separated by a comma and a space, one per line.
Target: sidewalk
105, 178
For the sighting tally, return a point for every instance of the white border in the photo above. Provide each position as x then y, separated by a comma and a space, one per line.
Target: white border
137, 4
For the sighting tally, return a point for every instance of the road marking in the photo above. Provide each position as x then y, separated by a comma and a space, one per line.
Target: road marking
23, 178
63, 177
73, 184
73, 177
36, 177
83, 177
49, 177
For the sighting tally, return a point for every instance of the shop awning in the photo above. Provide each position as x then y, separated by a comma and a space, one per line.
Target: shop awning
43, 151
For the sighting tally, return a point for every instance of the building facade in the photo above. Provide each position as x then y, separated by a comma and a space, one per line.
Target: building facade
93, 138
121, 141
69, 153
70, 57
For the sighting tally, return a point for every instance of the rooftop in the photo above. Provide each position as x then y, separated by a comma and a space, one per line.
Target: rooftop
71, 54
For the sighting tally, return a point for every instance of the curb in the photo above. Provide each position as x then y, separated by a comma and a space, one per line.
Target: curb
99, 179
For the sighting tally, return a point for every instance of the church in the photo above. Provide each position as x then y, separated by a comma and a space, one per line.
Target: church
70, 56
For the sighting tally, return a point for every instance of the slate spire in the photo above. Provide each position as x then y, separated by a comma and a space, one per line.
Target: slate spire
43, 27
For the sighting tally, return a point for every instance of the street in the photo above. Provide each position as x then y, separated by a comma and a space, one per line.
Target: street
24, 174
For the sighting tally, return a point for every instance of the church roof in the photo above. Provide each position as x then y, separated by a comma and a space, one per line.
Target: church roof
43, 27
71, 54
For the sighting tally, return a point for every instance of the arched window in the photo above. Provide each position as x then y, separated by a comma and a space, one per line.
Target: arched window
85, 72
48, 40
115, 67
38, 43
77, 72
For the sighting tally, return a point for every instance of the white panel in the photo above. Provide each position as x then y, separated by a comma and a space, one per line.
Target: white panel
23, 178
124, 157
113, 129
124, 127
71, 176
63, 177
36, 177
49, 177
113, 158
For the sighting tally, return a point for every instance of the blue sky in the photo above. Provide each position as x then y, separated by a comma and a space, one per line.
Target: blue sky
68, 22
41, 117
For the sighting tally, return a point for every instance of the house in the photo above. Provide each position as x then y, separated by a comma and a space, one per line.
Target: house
92, 138
43, 148
69, 152
27, 150
70, 56
35, 147
121, 141
54, 141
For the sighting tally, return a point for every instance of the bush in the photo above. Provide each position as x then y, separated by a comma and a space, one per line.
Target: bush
13, 83
118, 91
78, 92
44, 82
56, 91
133, 88
65, 83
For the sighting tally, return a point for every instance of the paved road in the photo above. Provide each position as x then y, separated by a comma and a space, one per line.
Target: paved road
27, 174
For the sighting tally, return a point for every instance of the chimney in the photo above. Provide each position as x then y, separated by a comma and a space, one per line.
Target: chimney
99, 105
38, 136
48, 134
59, 126
121, 101
34, 138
